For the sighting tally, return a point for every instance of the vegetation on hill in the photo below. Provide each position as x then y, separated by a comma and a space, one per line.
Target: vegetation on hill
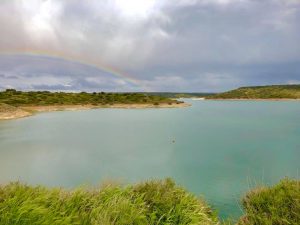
179, 94
261, 92
150, 203
41, 98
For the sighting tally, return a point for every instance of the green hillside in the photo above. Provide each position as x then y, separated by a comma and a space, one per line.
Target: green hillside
42, 98
180, 94
261, 92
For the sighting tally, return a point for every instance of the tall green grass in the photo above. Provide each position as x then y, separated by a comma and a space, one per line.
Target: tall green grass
149, 203
156, 202
278, 205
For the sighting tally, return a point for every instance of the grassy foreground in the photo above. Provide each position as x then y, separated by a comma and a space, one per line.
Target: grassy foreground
153, 202
271, 206
261, 92
157, 202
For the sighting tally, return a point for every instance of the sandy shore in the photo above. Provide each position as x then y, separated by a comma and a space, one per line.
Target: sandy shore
14, 115
25, 111
85, 107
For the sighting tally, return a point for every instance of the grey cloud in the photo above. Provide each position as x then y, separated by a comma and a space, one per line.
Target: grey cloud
242, 33
188, 45
57, 87
8, 76
36, 73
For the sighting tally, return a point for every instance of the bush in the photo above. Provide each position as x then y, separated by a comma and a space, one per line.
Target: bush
274, 205
168, 204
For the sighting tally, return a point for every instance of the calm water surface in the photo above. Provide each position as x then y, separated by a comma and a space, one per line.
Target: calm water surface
217, 149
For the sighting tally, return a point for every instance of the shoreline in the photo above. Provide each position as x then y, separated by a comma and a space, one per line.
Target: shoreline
25, 111
253, 99
15, 115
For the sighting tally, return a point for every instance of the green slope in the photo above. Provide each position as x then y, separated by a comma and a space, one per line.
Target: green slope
261, 92
42, 98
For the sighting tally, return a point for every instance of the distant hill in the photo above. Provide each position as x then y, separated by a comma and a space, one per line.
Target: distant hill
17, 104
179, 94
261, 92
39, 98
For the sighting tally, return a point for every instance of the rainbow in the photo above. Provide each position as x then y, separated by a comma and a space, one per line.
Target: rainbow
76, 59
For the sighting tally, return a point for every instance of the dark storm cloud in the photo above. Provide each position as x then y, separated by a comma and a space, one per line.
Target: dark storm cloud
180, 45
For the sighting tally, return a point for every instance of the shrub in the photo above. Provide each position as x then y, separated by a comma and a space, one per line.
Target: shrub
169, 204
273, 205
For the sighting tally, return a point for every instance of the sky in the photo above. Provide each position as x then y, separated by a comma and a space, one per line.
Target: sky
148, 45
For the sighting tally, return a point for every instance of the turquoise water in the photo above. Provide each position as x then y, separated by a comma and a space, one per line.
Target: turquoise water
216, 149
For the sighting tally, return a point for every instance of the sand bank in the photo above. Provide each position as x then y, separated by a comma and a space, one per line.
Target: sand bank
11, 112
14, 115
